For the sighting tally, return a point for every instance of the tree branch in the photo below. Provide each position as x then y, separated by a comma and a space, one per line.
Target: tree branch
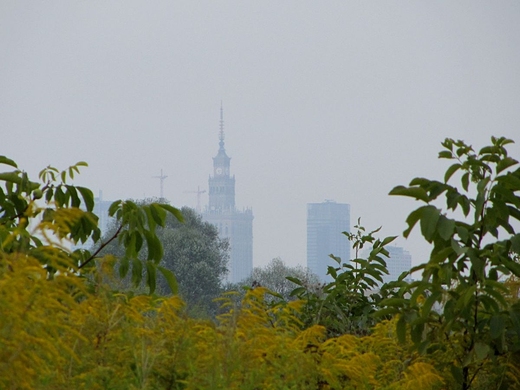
103, 245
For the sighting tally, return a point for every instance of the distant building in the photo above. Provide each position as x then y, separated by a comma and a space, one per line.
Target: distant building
400, 261
325, 224
101, 210
235, 225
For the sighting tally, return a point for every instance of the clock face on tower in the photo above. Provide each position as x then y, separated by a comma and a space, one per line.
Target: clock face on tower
218, 171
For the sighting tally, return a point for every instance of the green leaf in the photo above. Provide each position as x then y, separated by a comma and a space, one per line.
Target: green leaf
445, 154
494, 293
374, 273
175, 211
294, 280
497, 326
429, 219
396, 302
414, 192
421, 182
114, 207
488, 150
450, 171
170, 278
514, 212
463, 233
298, 291
511, 180
481, 197
490, 157
137, 271
429, 302
515, 243
158, 214
385, 312
514, 268
155, 248
412, 220
88, 197
417, 332
73, 195
152, 225
514, 314
388, 240
448, 144
489, 303
150, 275
505, 163
49, 194
456, 372
481, 350
418, 290
7, 161
138, 241
441, 255
445, 227
124, 266
60, 197
401, 330
467, 298
11, 177
465, 204
465, 181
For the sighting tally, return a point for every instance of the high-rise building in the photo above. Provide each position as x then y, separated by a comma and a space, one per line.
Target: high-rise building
400, 261
235, 225
326, 223
101, 210
104, 220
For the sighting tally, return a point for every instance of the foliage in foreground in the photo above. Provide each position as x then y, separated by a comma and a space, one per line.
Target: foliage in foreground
55, 334
193, 251
458, 327
45, 218
462, 311
348, 302
276, 277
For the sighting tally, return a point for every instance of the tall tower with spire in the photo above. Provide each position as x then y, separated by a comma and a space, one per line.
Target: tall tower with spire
232, 224
221, 185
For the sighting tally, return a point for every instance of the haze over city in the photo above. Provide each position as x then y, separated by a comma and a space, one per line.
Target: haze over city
339, 100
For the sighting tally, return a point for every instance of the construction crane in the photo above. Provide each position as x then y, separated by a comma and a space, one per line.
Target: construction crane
161, 178
199, 193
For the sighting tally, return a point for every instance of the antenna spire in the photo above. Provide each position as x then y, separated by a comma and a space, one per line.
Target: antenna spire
161, 179
221, 133
199, 193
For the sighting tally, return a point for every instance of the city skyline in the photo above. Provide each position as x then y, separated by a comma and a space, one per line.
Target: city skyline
340, 101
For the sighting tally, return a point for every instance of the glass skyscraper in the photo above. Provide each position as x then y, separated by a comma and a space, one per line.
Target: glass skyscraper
326, 223
400, 261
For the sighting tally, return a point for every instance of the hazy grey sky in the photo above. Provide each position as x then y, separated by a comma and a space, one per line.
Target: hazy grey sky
334, 100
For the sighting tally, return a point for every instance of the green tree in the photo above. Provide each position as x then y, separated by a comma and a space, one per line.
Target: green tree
346, 304
194, 253
197, 256
44, 219
44, 284
274, 277
462, 310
